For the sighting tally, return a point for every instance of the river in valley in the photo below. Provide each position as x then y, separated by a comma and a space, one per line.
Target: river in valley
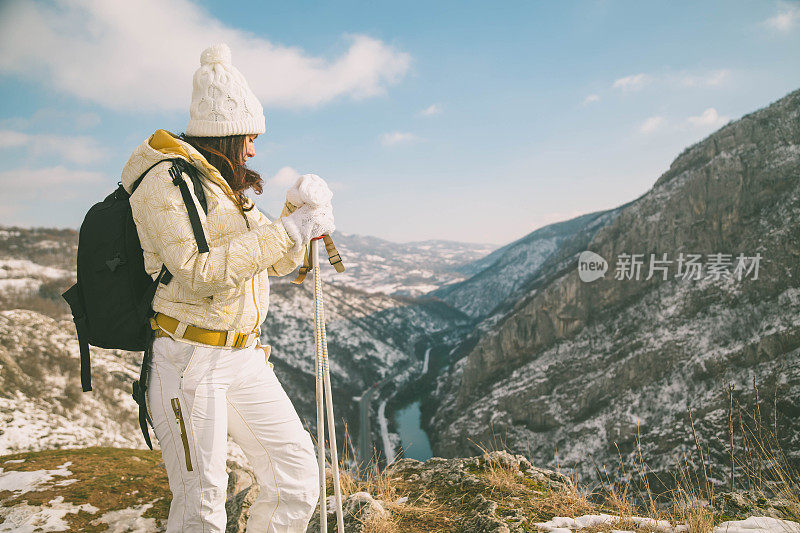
414, 440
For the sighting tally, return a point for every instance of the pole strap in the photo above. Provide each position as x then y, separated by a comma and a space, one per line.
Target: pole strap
333, 256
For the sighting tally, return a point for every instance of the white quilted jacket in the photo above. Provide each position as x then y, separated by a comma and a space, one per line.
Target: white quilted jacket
226, 288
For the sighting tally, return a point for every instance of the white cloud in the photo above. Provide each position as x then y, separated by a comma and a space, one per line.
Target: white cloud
336, 185
285, 177
58, 175
592, 98
77, 149
51, 118
12, 139
141, 56
786, 20
711, 78
634, 82
708, 118
433, 109
651, 124
396, 137
21, 184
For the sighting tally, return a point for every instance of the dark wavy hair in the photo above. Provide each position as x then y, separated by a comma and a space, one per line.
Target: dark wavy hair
225, 154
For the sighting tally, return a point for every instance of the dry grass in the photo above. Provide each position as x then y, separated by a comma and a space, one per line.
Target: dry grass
538, 502
762, 466
418, 515
759, 465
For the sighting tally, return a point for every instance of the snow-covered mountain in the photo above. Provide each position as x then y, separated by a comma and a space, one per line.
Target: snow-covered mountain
369, 332
35, 264
403, 269
41, 404
497, 277
31, 256
582, 373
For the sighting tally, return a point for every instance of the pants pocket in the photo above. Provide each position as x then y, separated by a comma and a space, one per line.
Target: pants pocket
267, 351
178, 354
176, 408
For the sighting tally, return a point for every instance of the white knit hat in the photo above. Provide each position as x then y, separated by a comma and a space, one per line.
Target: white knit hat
222, 102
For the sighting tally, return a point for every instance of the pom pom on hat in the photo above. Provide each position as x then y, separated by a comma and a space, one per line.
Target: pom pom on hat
217, 53
222, 102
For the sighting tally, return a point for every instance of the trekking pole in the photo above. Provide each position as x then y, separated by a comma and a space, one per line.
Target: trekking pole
323, 375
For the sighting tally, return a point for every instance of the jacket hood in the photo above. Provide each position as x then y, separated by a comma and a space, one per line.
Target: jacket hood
165, 145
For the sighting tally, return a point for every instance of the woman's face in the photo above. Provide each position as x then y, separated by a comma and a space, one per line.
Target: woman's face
249, 149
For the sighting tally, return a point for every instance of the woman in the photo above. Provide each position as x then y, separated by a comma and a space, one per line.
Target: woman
209, 375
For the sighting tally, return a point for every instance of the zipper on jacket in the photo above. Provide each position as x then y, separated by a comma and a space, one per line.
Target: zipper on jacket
176, 407
255, 302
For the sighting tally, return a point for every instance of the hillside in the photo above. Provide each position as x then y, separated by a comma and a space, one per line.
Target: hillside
584, 374
370, 334
117, 489
499, 276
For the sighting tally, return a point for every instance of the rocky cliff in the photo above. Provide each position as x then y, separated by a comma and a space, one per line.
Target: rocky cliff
572, 371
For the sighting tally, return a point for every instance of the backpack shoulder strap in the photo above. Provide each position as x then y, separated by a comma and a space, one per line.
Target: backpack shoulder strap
194, 175
176, 171
179, 166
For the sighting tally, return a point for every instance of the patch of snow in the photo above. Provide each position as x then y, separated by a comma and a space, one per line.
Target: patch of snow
388, 449
24, 518
563, 523
427, 357
17, 268
128, 520
19, 481
19, 284
758, 524
753, 524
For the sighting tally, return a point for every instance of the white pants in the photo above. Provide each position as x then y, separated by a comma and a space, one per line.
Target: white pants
199, 394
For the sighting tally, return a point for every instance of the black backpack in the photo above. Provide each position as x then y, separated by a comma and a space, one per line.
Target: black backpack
111, 302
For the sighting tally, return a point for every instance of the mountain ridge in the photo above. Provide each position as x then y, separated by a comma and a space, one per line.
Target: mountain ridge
531, 367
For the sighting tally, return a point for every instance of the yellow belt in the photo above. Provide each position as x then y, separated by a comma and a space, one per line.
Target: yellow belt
166, 326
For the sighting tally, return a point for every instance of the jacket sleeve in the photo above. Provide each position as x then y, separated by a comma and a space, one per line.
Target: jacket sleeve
163, 225
289, 261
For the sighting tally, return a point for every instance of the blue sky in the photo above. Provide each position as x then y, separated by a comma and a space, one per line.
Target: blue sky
464, 121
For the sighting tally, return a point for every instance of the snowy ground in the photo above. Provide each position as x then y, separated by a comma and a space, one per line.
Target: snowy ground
753, 524
19, 276
51, 515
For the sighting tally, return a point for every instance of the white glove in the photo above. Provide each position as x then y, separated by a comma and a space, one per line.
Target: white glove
308, 221
309, 189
